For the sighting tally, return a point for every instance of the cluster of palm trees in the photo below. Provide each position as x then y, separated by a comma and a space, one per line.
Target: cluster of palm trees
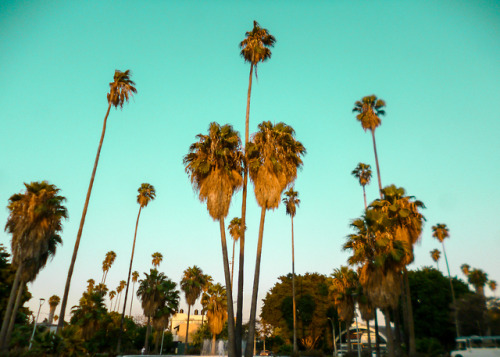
478, 279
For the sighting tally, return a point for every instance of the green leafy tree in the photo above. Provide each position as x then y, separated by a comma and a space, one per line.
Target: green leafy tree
274, 156
214, 165
120, 90
255, 48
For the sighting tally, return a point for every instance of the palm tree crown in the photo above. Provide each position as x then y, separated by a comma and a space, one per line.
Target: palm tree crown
291, 201
255, 47
121, 88
363, 173
369, 110
440, 232
157, 259
146, 194
192, 283
435, 254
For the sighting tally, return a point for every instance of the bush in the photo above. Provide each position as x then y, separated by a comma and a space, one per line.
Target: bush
429, 347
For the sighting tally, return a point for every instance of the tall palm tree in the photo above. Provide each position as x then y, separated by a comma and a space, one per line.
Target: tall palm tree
363, 173
214, 301
478, 279
119, 290
168, 306
135, 277
192, 283
214, 164
465, 269
235, 233
146, 194
120, 90
291, 202
151, 293
112, 295
440, 231
435, 255
255, 48
35, 222
54, 300
344, 285
108, 261
157, 259
274, 156
369, 110
89, 313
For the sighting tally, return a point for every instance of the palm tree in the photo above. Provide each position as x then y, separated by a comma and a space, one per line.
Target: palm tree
291, 202
151, 293
255, 48
112, 294
119, 290
146, 194
214, 301
89, 313
435, 255
478, 279
157, 259
363, 173
492, 284
441, 232
214, 165
235, 233
108, 261
465, 269
54, 300
274, 156
344, 285
168, 306
192, 284
90, 285
135, 277
35, 222
120, 90
369, 110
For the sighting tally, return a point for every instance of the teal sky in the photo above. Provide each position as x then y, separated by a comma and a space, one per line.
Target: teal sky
436, 64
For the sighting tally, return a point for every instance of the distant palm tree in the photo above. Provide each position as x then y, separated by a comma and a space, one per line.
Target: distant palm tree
465, 269
192, 283
112, 295
291, 202
363, 173
493, 286
135, 277
214, 165
120, 90
147, 193
369, 110
90, 285
168, 306
274, 156
119, 290
214, 301
157, 259
54, 300
441, 232
89, 314
478, 279
35, 222
108, 261
235, 233
255, 48
436, 254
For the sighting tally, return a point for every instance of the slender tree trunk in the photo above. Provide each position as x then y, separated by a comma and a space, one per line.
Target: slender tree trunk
187, 329
120, 333
232, 265
390, 339
293, 295
348, 329
131, 299
377, 344
80, 229
13, 316
376, 162
241, 261
411, 324
148, 332
455, 313
369, 337
253, 308
231, 348
157, 341
364, 196
397, 332
214, 341
10, 306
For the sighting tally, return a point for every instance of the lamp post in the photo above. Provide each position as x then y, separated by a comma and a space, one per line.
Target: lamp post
36, 320
334, 343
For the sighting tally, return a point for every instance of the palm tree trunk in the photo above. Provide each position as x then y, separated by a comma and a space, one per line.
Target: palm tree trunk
411, 324
348, 331
148, 331
232, 265
51, 314
187, 330
239, 304
397, 331
10, 305
293, 296
452, 293
376, 162
157, 341
118, 347
213, 344
369, 337
131, 299
14, 314
364, 196
80, 229
231, 348
377, 344
253, 308
390, 339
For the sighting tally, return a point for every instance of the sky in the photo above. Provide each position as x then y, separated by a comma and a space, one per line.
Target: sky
435, 63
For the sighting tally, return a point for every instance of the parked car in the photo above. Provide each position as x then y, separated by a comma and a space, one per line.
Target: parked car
266, 353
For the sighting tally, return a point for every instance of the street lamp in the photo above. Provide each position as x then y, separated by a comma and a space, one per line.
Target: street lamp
36, 320
334, 343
